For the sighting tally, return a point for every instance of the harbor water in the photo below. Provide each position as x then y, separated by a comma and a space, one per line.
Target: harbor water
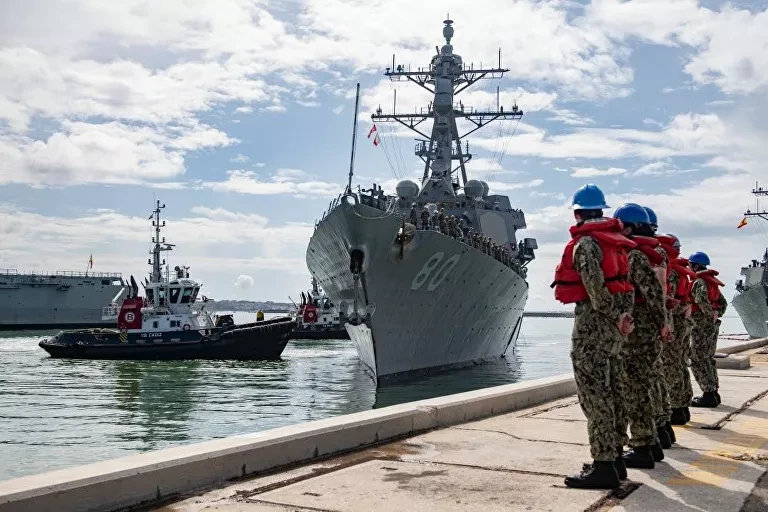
56, 413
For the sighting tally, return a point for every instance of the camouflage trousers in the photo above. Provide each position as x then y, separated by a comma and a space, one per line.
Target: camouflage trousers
703, 346
595, 354
641, 352
674, 358
662, 410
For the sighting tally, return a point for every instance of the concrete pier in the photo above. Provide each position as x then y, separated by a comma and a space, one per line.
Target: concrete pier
505, 448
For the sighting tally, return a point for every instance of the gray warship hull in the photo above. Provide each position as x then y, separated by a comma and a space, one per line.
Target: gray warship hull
752, 307
39, 301
439, 305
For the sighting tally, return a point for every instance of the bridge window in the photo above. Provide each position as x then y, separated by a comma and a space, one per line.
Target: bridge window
194, 294
150, 295
175, 295
186, 296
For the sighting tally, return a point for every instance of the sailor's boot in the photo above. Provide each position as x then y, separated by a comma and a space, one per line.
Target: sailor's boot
600, 475
708, 399
621, 468
671, 432
657, 452
678, 417
664, 439
639, 457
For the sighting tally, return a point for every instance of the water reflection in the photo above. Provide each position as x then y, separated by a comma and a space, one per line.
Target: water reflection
506, 370
156, 398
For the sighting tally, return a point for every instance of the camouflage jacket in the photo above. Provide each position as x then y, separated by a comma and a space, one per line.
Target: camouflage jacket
647, 286
586, 260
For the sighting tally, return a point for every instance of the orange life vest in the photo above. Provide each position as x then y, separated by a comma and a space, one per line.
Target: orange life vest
648, 245
668, 244
713, 287
615, 264
685, 279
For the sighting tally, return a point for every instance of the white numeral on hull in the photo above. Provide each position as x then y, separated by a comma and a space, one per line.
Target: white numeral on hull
429, 267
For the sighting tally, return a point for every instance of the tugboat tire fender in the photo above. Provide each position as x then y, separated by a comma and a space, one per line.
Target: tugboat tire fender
186, 327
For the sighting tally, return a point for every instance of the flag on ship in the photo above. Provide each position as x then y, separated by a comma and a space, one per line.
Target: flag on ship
375, 132
90, 261
742, 223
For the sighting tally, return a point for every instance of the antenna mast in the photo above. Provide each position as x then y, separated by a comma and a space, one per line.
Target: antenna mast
354, 138
446, 77
758, 192
160, 245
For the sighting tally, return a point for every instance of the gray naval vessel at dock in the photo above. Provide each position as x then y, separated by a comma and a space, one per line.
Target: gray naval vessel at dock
56, 299
448, 293
751, 299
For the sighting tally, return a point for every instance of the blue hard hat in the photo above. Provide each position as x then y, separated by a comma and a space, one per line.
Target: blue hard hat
651, 216
699, 258
589, 197
631, 213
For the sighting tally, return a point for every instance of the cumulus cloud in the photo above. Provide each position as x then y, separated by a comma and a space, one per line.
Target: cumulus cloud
244, 282
285, 181
591, 172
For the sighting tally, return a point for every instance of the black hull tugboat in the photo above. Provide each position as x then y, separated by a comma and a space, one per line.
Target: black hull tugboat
170, 322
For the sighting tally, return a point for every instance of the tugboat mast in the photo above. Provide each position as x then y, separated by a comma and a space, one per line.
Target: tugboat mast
160, 245
446, 77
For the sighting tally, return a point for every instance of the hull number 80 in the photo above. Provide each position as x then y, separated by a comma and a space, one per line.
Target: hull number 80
434, 271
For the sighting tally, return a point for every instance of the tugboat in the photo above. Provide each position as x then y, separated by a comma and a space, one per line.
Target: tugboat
170, 322
751, 299
317, 318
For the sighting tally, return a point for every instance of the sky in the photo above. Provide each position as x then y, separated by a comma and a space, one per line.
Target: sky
237, 114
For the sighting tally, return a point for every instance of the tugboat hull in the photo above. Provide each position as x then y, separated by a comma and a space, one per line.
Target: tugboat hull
256, 341
336, 333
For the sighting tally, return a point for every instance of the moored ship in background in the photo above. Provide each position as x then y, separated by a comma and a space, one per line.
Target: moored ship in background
58, 299
751, 299
451, 293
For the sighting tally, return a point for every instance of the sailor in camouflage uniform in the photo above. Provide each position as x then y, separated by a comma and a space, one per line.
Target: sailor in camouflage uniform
592, 272
424, 218
675, 355
708, 306
644, 344
660, 391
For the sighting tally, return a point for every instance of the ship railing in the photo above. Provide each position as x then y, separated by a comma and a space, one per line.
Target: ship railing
514, 258
58, 273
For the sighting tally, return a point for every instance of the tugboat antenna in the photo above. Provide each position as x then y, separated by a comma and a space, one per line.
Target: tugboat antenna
354, 139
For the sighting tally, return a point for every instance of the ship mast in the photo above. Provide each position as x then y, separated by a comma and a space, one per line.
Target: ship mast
160, 245
758, 192
446, 77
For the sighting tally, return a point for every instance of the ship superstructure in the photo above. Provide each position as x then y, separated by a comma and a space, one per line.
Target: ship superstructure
751, 299
434, 276
56, 299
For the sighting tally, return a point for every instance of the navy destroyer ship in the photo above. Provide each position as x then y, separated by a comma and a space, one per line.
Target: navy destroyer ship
56, 299
448, 292
751, 299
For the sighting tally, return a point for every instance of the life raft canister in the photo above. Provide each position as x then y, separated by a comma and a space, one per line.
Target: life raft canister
615, 263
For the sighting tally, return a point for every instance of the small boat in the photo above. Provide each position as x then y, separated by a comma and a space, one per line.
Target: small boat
170, 322
317, 318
